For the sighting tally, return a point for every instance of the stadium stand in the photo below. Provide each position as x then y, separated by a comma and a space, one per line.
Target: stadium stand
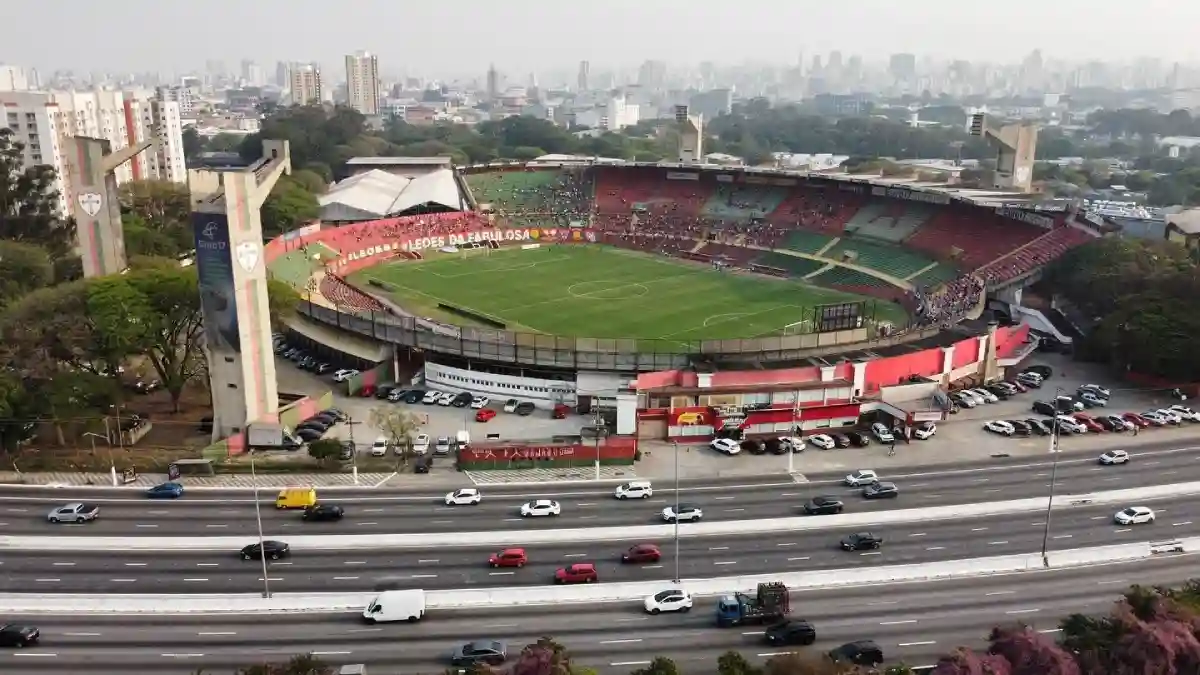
294, 268
888, 222
345, 296
743, 202
978, 236
938, 274
806, 242
795, 266
534, 197
625, 191
844, 276
825, 211
1041, 251
891, 260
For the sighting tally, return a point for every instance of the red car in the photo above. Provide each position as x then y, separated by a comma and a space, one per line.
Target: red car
579, 573
1089, 422
485, 415
560, 411
1136, 419
642, 553
509, 557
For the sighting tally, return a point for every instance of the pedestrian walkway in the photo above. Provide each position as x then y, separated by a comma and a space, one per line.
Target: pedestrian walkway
533, 476
230, 481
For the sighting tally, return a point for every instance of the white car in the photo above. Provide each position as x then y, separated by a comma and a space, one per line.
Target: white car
964, 399
987, 396
794, 443
1070, 424
344, 374
431, 397
511, 405
421, 444
686, 513
635, 489
479, 402
542, 507
380, 447
1155, 419
924, 431
1171, 416
442, 446
673, 600
823, 441
446, 399
882, 434
464, 497
1185, 412
725, 445
862, 477
1114, 457
1134, 515
999, 427
1096, 389
1120, 423
1092, 400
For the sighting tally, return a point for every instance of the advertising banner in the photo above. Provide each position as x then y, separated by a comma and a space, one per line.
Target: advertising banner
214, 269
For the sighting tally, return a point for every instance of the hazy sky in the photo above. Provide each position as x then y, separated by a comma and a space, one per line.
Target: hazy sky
443, 37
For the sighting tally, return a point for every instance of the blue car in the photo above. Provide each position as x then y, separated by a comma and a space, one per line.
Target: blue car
165, 491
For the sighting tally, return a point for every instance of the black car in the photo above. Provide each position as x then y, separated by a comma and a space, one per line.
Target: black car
857, 438
308, 434
1038, 427
1019, 427
382, 391
819, 506
525, 408
1000, 392
1109, 425
423, 464
754, 446
318, 512
841, 440
861, 541
1044, 371
397, 394
316, 425
336, 414
274, 550
881, 491
1044, 408
13, 635
860, 653
323, 368
323, 417
414, 396
791, 633
491, 652
776, 446
462, 400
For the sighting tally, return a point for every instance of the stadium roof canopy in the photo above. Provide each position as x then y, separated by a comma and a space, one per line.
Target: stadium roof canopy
378, 194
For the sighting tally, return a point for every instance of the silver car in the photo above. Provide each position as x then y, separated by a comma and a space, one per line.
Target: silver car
74, 513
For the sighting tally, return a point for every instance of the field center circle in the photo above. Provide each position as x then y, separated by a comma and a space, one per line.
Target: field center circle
607, 290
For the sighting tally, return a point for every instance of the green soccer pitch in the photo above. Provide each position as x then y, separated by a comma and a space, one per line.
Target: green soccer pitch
602, 292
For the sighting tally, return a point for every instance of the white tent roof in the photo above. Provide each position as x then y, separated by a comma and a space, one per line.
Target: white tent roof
379, 194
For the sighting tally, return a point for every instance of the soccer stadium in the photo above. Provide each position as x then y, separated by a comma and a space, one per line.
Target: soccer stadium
546, 274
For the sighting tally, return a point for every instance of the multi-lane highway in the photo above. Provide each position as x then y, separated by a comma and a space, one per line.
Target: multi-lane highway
913, 622
204, 513
454, 567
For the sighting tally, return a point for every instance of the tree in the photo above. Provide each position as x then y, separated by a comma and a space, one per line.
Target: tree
282, 300
799, 663
193, 144
660, 665
310, 181
304, 664
1029, 652
325, 448
398, 426
288, 206
963, 661
544, 657
23, 268
28, 202
733, 663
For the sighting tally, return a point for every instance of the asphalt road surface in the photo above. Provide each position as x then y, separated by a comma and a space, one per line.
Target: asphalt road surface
915, 623
764, 553
125, 513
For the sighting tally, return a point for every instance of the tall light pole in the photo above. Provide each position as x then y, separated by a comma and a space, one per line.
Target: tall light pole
1053, 481
112, 463
262, 549
596, 428
796, 431
675, 448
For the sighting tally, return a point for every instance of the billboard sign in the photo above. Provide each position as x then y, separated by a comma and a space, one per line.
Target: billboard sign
214, 270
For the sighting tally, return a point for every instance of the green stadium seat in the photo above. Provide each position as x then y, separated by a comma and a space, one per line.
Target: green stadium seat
938, 275
844, 276
805, 242
796, 267
891, 260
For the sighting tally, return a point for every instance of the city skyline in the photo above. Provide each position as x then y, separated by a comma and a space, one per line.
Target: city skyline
617, 34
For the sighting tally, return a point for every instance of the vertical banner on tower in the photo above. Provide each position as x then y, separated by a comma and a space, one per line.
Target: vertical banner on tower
214, 269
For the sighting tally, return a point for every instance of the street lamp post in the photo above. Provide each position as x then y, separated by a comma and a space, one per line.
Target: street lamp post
262, 551
112, 463
675, 448
596, 430
795, 430
1054, 433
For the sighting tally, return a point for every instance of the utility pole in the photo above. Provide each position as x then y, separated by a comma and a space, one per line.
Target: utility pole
596, 427
350, 424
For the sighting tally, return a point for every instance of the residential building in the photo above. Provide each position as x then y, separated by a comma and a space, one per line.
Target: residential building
13, 78
304, 80
182, 94
148, 116
362, 82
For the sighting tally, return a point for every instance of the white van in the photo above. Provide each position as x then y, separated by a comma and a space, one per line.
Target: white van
463, 438
634, 489
407, 605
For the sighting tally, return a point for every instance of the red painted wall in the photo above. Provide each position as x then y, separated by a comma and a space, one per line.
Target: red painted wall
966, 352
894, 369
830, 412
613, 448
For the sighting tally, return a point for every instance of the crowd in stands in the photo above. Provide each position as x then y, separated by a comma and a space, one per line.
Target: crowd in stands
346, 297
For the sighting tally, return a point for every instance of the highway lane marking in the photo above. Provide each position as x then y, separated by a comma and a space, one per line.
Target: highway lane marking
82, 634
787, 494
44, 654
723, 499
373, 511
275, 563
637, 618
1111, 582
766, 654
1050, 630
512, 520
1038, 523
501, 625
1149, 463
936, 548
918, 534
1062, 536
423, 576
872, 553
442, 522
586, 504
733, 510
897, 623
994, 490
631, 663
1022, 611
345, 578
501, 574
575, 555
195, 579
157, 513
17, 510
1000, 593
753, 632
718, 548
184, 656
364, 630
146, 526
47, 581
329, 653
725, 562
214, 634
271, 579
216, 525
355, 562
790, 543
997, 543
980, 480
429, 560
197, 564
64, 564
123, 581
1126, 529
883, 602
1186, 522
923, 643
366, 524
917, 485
652, 567
933, 496
803, 558
620, 642
1101, 517
587, 517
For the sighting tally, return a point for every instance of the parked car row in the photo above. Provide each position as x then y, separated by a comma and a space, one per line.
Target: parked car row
782, 445
307, 361
1082, 423
400, 394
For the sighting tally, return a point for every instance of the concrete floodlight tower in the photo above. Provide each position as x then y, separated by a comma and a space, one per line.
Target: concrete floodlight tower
1015, 146
99, 233
691, 136
233, 288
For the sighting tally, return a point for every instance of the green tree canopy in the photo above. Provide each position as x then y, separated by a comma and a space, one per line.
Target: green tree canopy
290, 205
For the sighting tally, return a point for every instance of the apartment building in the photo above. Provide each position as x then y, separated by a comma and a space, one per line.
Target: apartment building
43, 121
304, 81
362, 82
